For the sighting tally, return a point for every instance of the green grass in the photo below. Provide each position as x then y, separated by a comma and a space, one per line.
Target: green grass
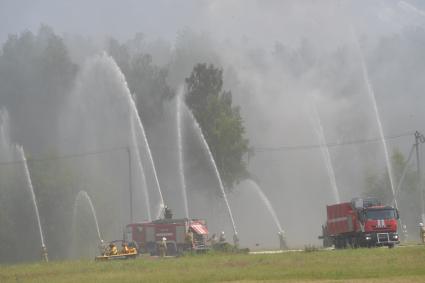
403, 264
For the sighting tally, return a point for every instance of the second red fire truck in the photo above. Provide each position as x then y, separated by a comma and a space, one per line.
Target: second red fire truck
360, 223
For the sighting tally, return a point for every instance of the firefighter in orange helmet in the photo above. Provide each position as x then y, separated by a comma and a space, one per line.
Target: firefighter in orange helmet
125, 249
113, 249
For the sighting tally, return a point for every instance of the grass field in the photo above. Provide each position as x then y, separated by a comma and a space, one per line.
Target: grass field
401, 264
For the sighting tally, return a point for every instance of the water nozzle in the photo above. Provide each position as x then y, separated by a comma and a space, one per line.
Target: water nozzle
44, 255
236, 240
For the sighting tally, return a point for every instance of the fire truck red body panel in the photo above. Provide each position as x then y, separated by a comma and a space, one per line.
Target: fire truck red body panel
341, 218
147, 235
361, 222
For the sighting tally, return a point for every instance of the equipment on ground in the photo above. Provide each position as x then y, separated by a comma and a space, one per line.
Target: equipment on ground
360, 223
117, 249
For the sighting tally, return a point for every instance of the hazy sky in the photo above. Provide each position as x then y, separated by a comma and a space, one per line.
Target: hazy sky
260, 21
97, 17
271, 95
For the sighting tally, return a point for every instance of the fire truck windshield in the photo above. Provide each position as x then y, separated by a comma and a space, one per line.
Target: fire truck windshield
381, 214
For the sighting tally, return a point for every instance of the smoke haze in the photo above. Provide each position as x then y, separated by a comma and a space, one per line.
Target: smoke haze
278, 57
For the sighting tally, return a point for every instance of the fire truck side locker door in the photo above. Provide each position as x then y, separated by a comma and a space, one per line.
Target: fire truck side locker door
150, 234
180, 234
350, 223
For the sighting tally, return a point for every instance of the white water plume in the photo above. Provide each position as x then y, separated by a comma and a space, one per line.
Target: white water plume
371, 93
140, 167
101, 114
409, 7
84, 195
21, 152
267, 203
217, 173
318, 128
135, 114
180, 149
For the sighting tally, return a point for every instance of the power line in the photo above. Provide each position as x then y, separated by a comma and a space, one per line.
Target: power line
256, 149
331, 144
69, 156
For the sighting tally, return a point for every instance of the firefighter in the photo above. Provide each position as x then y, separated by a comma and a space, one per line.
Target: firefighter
163, 247
102, 248
422, 232
189, 239
167, 213
44, 255
222, 238
125, 249
282, 240
214, 239
132, 248
405, 233
236, 240
113, 249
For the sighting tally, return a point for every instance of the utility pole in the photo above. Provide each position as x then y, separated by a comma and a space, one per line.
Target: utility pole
419, 138
130, 183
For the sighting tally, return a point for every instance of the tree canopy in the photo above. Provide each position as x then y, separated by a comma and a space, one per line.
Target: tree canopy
221, 123
36, 73
379, 185
146, 81
407, 193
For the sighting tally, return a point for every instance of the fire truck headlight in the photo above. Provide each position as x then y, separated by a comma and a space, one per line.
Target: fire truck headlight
368, 237
395, 237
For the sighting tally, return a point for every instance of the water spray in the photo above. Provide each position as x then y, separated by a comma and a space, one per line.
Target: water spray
419, 139
21, 152
141, 168
85, 195
217, 173
135, 114
180, 147
325, 151
371, 93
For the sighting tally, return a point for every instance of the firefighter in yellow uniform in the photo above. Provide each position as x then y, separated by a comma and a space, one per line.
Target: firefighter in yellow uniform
189, 240
113, 249
125, 249
132, 248
163, 247
422, 232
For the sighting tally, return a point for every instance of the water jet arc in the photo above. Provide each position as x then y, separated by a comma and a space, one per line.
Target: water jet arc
84, 195
180, 149
217, 173
21, 152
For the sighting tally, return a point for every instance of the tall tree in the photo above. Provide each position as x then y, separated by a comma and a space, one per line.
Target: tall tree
379, 185
221, 123
36, 73
407, 194
146, 81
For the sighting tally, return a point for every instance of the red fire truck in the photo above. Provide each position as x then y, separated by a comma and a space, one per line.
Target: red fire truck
148, 235
360, 223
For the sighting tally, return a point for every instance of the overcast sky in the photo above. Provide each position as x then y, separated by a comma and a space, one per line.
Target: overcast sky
98, 17
260, 21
